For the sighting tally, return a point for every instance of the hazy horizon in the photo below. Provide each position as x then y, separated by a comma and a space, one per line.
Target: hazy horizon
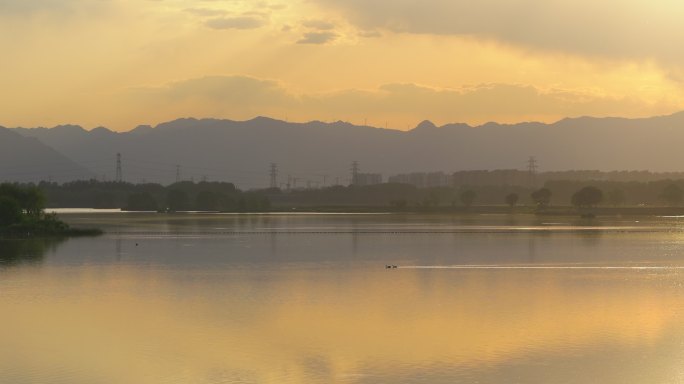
356, 124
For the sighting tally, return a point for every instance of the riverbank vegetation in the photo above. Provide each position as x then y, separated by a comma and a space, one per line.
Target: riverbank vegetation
22, 214
554, 197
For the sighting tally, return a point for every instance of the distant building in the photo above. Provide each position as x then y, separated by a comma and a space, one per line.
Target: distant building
422, 179
368, 179
499, 177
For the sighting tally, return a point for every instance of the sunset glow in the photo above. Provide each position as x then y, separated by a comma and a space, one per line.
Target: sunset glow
389, 63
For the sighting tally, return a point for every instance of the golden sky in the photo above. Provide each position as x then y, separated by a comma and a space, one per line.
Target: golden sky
120, 63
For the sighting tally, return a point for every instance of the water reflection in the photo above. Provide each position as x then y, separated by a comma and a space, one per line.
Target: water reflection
26, 251
358, 326
306, 307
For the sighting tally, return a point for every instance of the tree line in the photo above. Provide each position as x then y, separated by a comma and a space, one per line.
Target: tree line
578, 194
181, 196
225, 197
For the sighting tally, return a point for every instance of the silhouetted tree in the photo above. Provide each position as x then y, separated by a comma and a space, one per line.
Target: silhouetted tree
616, 197
30, 198
10, 212
399, 203
141, 202
177, 200
103, 200
468, 197
541, 197
512, 199
672, 194
587, 197
207, 201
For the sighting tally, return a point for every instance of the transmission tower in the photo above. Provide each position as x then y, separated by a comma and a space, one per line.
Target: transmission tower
532, 170
119, 173
178, 173
355, 173
274, 175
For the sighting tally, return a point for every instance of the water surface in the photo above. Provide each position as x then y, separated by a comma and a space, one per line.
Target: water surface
294, 298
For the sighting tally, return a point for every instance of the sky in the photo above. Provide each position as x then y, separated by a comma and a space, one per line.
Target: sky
386, 63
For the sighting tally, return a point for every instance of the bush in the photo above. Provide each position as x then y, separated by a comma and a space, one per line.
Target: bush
10, 211
587, 197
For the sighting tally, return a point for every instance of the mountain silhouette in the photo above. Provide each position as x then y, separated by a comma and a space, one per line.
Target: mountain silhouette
25, 159
241, 151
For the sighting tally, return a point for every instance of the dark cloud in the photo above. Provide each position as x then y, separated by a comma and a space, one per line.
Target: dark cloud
238, 22
610, 28
317, 38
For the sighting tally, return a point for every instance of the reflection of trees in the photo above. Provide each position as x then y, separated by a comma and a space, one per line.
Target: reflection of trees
26, 251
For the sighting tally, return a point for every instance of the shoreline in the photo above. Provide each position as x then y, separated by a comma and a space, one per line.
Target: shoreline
33, 233
460, 210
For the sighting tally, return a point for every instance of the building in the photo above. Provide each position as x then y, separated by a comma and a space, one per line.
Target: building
422, 179
368, 179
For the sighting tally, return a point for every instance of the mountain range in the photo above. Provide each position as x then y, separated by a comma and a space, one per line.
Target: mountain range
317, 152
27, 159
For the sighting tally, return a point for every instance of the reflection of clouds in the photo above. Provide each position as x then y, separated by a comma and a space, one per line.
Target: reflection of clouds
293, 325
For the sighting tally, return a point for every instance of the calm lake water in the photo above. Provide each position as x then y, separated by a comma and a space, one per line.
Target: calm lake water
307, 299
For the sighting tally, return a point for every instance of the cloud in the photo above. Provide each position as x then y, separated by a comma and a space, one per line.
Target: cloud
205, 12
277, 7
318, 24
369, 34
234, 90
238, 22
243, 96
55, 8
23, 7
317, 38
610, 28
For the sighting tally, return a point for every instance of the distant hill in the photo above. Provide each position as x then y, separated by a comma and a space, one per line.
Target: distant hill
24, 159
235, 151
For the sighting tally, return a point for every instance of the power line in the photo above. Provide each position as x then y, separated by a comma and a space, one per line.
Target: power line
274, 175
532, 170
119, 172
355, 172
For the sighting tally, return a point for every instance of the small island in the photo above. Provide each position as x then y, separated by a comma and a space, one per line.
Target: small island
22, 214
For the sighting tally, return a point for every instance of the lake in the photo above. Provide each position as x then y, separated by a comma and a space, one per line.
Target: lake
305, 298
